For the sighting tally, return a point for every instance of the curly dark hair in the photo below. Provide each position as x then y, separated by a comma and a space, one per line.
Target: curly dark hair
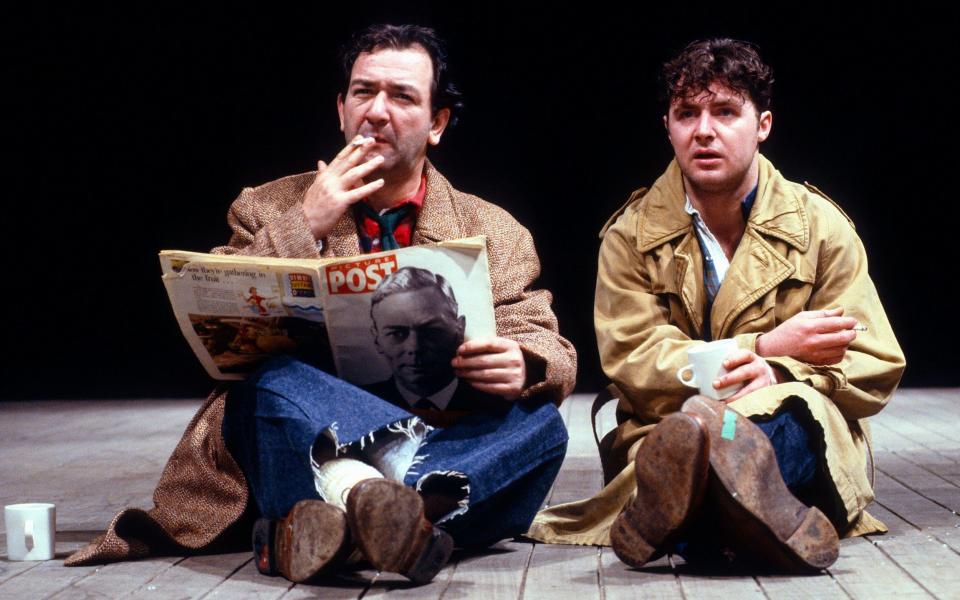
733, 63
443, 92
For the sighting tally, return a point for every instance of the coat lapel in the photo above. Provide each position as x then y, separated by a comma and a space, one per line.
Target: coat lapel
663, 219
689, 262
757, 267
438, 219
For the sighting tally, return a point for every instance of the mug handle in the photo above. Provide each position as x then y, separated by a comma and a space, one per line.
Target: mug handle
692, 382
28, 540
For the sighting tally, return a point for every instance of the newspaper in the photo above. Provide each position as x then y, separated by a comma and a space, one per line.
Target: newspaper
238, 311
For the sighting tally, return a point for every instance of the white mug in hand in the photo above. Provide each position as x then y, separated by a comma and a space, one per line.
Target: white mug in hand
31, 531
706, 364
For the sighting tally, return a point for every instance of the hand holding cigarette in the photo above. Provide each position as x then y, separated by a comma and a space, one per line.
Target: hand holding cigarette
340, 184
817, 337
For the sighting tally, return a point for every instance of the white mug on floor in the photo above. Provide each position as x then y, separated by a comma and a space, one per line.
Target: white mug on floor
706, 364
31, 531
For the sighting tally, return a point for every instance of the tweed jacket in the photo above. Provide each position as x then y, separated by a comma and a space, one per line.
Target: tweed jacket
799, 252
201, 501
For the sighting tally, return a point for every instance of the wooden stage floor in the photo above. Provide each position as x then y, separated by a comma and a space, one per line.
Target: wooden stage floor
93, 458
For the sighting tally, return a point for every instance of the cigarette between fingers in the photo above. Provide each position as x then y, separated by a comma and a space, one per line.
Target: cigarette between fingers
360, 141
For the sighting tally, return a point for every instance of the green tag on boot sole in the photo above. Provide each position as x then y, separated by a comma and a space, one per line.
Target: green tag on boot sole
729, 425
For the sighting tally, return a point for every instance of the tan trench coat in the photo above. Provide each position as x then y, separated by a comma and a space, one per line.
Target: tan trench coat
799, 252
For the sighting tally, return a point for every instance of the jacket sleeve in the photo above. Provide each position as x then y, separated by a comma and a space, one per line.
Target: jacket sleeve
862, 383
641, 346
284, 234
524, 315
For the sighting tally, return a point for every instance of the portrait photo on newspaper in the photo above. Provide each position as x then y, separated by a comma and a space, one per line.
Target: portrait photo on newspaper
396, 319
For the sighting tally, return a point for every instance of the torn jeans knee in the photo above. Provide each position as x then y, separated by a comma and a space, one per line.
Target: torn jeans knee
446, 494
395, 451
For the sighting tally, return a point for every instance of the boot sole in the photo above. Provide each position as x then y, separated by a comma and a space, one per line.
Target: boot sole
753, 498
311, 541
671, 468
388, 524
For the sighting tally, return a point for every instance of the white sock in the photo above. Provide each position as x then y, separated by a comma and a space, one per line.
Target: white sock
394, 451
334, 478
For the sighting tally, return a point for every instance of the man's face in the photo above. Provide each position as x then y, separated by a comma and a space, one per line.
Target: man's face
418, 332
715, 136
388, 99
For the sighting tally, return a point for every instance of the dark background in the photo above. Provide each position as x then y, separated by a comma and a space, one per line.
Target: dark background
130, 130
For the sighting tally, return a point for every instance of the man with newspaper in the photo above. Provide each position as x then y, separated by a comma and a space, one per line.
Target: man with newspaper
396, 487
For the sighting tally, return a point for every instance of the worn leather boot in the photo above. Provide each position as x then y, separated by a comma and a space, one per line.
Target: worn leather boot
671, 468
387, 522
312, 541
757, 513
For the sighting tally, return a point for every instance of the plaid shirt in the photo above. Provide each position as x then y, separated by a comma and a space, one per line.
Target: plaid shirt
715, 262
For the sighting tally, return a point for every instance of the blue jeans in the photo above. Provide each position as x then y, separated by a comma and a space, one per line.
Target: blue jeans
791, 443
506, 462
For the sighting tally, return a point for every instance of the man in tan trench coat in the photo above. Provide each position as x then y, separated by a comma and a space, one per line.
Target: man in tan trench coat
795, 296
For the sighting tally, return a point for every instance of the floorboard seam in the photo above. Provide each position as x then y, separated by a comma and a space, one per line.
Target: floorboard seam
920, 529
899, 516
919, 493
15, 575
157, 574
73, 583
676, 576
69, 585
845, 591
756, 581
526, 569
286, 592
876, 544
369, 587
227, 578
59, 590
449, 582
933, 431
934, 473
601, 574
913, 441
601, 591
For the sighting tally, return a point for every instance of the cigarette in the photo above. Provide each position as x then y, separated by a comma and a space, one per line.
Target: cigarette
361, 141
859, 327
